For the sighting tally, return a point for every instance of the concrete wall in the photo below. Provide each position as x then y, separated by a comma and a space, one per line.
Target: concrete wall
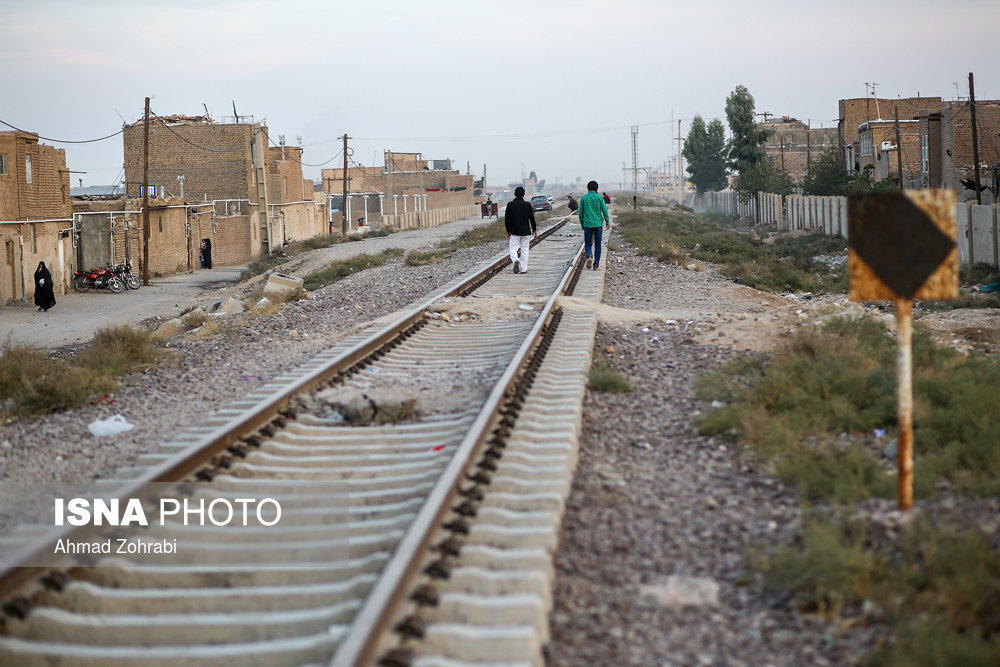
298, 220
978, 234
978, 226
430, 217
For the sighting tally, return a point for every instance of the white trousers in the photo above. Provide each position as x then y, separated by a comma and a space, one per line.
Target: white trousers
522, 242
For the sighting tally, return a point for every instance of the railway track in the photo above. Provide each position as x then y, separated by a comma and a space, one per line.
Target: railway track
420, 467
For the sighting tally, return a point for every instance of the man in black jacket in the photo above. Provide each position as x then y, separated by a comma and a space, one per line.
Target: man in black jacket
519, 219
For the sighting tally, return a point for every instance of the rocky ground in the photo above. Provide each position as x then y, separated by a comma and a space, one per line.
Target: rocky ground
652, 567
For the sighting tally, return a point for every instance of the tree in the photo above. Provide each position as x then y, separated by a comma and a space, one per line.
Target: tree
745, 149
705, 150
764, 176
863, 182
826, 175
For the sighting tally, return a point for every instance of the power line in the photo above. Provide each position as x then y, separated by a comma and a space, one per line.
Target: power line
305, 164
64, 141
199, 147
506, 137
239, 147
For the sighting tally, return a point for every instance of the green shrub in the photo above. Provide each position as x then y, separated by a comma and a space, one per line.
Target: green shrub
340, 269
935, 586
603, 377
791, 407
784, 263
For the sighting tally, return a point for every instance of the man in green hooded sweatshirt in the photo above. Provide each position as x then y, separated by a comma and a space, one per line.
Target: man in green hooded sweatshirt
593, 214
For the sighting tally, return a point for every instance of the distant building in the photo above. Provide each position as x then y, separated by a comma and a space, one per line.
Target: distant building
254, 192
405, 184
855, 111
878, 148
946, 155
794, 144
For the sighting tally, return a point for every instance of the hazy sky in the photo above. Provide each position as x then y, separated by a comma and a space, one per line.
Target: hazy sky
544, 85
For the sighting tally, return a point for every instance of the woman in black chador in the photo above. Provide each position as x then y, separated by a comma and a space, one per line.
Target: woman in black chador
206, 253
44, 297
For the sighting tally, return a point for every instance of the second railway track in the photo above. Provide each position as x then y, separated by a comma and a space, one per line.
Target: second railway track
421, 467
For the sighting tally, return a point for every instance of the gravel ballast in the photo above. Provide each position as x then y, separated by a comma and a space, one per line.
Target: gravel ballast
653, 564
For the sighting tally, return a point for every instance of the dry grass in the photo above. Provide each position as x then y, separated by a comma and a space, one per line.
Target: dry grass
340, 269
33, 383
423, 257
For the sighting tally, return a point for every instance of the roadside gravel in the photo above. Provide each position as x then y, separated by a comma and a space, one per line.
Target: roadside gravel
654, 564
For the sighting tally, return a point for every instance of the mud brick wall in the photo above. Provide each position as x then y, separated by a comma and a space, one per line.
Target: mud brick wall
47, 195
215, 160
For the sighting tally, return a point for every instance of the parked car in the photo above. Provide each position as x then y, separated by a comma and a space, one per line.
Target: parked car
541, 203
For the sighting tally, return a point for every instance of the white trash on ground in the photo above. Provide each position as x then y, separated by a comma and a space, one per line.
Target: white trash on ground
111, 426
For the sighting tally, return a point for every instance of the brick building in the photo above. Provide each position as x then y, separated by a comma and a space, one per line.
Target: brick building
201, 161
406, 183
793, 144
853, 112
293, 211
254, 193
34, 214
946, 148
877, 142
109, 231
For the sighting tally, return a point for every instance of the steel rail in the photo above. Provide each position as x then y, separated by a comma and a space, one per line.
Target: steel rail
14, 577
361, 644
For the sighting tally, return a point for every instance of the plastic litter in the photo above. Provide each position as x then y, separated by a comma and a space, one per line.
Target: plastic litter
112, 426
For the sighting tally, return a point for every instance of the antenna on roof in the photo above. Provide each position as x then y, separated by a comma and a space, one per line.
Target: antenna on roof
204, 106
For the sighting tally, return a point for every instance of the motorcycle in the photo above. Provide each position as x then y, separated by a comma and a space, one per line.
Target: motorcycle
124, 273
99, 279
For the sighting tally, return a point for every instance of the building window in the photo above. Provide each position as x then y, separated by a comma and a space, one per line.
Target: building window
31, 239
867, 147
3, 164
925, 154
27, 168
159, 219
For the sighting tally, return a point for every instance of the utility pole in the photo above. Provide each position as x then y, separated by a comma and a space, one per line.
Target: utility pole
808, 145
781, 147
680, 163
975, 139
388, 177
343, 204
899, 149
635, 166
145, 196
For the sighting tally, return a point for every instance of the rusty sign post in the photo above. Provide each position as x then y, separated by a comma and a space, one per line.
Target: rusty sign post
901, 247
